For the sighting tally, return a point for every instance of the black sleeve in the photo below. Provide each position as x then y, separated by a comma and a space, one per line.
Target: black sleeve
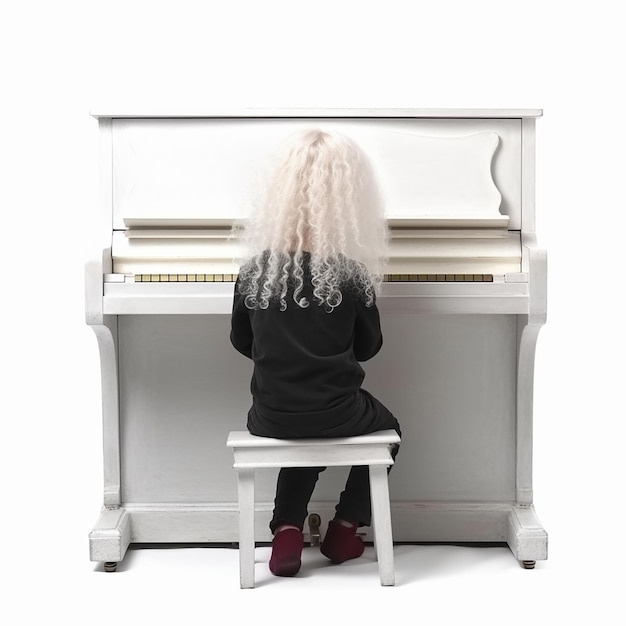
368, 337
240, 328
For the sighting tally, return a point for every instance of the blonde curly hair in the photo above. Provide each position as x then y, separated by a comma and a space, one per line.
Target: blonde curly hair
321, 208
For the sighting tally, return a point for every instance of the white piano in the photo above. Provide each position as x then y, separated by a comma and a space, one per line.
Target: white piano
462, 306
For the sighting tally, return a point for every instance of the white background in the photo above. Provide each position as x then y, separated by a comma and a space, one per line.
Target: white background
61, 59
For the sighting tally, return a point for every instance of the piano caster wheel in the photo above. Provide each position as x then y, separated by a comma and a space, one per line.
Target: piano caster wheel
528, 564
110, 566
314, 529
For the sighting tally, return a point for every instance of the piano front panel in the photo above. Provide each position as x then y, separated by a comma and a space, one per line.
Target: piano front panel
449, 380
196, 169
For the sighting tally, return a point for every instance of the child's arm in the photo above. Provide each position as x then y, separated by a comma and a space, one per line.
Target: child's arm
368, 337
240, 328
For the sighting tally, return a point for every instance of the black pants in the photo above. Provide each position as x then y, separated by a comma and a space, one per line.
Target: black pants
295, 485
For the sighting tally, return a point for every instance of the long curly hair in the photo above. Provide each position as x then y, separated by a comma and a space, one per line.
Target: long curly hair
321, 210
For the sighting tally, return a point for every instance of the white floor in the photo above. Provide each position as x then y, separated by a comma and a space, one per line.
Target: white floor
434, 585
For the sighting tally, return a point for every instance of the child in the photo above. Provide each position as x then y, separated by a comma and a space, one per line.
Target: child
305, 312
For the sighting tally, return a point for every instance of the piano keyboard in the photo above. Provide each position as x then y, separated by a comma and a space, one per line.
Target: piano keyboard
185, 278
438, 278
388, 278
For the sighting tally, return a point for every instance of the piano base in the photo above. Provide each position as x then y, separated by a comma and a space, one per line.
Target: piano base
413, 522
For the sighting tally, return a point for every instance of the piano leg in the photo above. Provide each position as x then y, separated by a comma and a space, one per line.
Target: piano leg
526, 537
110, 538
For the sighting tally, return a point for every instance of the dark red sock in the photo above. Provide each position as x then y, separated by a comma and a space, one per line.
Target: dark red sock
286, 552
341, 543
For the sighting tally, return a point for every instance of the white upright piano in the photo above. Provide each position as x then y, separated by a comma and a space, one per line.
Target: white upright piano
461, 308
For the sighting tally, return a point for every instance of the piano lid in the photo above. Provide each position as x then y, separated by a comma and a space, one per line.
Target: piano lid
105, 110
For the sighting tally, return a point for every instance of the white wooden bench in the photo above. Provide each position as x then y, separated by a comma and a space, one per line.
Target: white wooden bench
374, 450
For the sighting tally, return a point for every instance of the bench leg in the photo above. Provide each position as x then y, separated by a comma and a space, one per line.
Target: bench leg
245, 488
381, 517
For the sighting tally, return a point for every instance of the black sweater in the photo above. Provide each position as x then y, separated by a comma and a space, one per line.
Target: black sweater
307, 376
